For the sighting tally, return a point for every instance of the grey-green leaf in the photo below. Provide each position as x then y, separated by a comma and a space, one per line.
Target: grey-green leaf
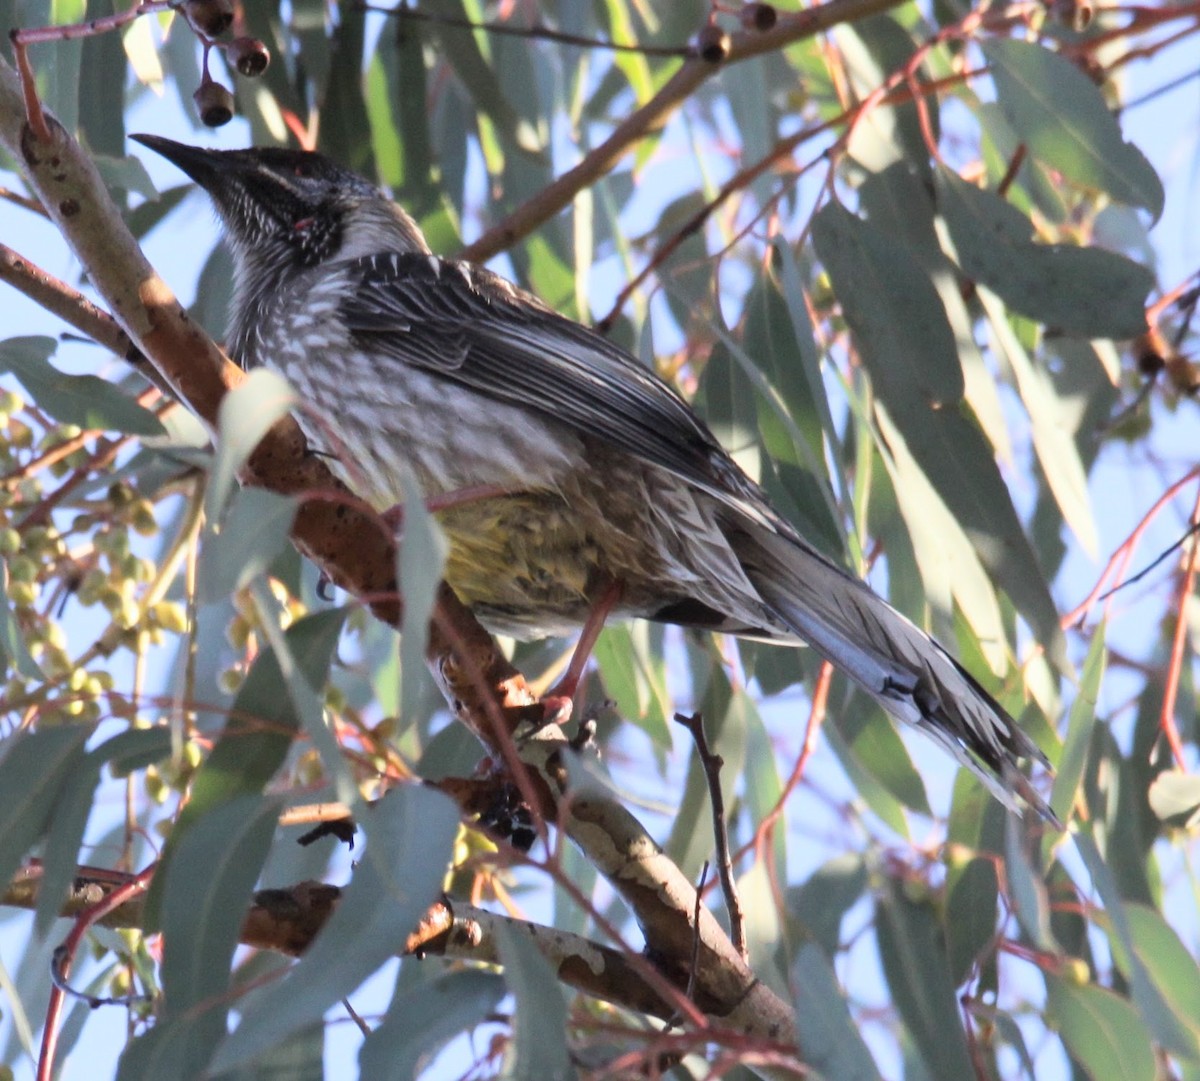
33, 771
421, 1018
253, 531
539, 1047
1101, 1030
831, 1040
85, 400
1085, 291
918, 973
1060, 114
409, 837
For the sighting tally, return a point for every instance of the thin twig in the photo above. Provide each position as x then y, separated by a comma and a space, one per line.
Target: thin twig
537, 30
1174, 547
650, 118
1167, 718
17, 199
65, 953
1114, 570
712, 763
70, 305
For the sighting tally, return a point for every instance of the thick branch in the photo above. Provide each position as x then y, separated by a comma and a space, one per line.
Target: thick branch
484, 690
287, 921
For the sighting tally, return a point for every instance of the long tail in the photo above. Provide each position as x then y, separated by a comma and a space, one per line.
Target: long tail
898, 664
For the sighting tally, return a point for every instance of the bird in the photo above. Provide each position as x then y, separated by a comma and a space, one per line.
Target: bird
572, 483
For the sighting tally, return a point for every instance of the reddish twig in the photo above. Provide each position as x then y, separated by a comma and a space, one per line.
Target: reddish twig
64, 955
1171, 689
1119, 561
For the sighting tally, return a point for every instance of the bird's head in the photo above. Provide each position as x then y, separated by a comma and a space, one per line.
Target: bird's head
286, 210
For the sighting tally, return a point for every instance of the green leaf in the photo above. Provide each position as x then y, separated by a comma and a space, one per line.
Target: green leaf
1174, 794
246, 414
822, 902
252, 532
906, 343
1101, 1030
1057, 451
127, 173
1073, 761
1168, 963
409, 837
634, 677
539, 1046
875, 742
893, 310
950, 567
1174, 1034
1061, 115
135, 747
33, 773
421, 560
833, 1045
918, 973
13, 650
204, 901
971, 915
423, 1017
1089, 292
85, 400
1026, 889
256, 738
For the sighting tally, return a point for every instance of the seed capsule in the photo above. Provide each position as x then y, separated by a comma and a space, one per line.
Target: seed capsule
760, 17
209, 17
249, 56
712, 44
214, 103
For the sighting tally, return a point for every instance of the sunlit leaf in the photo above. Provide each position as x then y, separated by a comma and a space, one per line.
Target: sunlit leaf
1062, 116
1101, 1030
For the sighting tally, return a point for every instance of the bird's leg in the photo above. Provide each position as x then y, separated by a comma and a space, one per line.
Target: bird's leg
558, 700
394, 516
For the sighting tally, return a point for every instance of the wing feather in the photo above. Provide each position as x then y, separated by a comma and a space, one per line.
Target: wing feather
478, 330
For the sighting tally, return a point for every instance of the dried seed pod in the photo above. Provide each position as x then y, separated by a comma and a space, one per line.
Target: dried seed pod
249, 56
209, 17
712, 44
214, 103
760, 17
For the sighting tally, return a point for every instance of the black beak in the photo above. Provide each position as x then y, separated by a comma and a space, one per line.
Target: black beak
203, 166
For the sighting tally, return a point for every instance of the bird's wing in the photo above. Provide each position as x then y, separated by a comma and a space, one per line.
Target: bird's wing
478, 330
474, 328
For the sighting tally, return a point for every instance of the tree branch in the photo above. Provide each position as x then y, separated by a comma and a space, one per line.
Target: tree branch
651, 117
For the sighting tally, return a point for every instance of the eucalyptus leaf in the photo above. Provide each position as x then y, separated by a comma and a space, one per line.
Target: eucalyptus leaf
253, 531
88, 401
1061, 115
409, 838
833, 1045
539, 1047
1089, 292
917, 970
1101, 1030
246, 414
